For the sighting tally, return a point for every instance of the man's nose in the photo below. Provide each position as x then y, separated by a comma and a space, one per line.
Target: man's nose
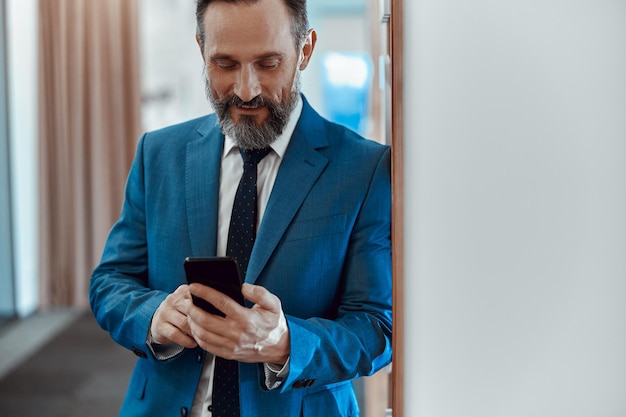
248, 85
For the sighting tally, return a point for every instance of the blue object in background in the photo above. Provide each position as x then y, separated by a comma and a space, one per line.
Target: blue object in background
347, 80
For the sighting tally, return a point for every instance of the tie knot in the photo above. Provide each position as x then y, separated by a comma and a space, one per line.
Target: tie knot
254, 155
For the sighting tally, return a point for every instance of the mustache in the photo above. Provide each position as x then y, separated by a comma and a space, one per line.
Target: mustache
258, 101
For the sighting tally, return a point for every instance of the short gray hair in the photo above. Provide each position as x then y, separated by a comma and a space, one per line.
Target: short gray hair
297, 10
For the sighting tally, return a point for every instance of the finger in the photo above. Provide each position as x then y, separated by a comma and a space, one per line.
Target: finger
175, 335
261, 297
197, 315
219, 300
168, 331
212, 333
206, 326
179, 296
180, 321
169, 322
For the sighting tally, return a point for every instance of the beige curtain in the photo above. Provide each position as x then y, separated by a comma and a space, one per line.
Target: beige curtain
89, 124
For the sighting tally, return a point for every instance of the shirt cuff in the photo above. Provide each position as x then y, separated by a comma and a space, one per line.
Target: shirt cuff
163, 352
275, 374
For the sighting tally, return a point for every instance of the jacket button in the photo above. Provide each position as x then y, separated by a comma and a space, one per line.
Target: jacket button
139, 353
304, 383
183, 412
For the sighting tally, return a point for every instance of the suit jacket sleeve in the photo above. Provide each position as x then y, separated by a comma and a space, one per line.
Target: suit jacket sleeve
119, 293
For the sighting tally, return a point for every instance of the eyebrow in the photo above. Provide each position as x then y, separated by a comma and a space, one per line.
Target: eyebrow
227, 57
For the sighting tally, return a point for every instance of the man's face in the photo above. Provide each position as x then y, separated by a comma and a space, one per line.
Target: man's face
252, 68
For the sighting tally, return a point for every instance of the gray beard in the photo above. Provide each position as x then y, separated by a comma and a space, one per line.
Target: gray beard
247, 134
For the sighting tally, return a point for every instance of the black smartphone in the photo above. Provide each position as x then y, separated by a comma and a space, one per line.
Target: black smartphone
220, 273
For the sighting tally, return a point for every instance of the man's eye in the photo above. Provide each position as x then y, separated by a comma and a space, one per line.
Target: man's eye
226, 65
269, 64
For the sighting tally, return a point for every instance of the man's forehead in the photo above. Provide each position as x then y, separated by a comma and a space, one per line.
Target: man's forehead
227, 19
246, 30
238, 10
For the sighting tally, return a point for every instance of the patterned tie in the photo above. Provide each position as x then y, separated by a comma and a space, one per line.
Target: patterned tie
241, 237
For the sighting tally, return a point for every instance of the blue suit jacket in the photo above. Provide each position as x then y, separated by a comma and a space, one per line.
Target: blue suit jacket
323, 248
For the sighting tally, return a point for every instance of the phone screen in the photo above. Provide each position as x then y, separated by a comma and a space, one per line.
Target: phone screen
220, 273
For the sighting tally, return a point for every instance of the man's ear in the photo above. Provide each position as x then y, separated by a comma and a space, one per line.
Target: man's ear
307, 49
199, 42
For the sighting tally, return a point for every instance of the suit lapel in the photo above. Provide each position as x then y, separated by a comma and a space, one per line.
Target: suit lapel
298, 172
202, 173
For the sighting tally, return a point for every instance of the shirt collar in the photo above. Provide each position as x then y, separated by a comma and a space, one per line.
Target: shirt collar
279, 146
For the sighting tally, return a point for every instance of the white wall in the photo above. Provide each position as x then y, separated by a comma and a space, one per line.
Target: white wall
23, 121
515, 157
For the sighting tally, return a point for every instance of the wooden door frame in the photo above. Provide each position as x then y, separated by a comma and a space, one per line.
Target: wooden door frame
396, 51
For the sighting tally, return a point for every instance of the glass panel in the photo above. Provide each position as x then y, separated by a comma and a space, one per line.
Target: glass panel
346, 85
7, 293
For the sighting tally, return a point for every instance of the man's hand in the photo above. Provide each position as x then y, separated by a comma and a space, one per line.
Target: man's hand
257, 334
169, 323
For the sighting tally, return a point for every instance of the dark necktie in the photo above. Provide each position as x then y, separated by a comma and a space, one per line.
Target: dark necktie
241, 235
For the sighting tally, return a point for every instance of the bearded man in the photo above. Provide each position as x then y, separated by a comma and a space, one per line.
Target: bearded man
318, 272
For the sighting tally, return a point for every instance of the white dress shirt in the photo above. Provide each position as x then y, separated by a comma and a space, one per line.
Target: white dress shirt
230, 174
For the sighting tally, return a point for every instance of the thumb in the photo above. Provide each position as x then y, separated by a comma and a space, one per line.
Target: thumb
261, 297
